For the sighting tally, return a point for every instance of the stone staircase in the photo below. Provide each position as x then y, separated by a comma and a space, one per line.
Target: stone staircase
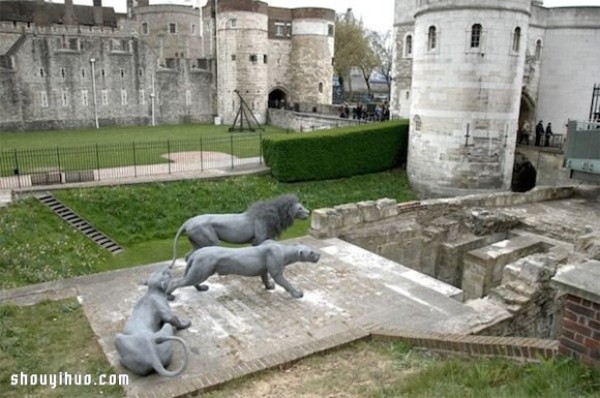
79, 223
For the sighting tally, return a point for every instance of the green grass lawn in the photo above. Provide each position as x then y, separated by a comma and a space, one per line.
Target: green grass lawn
115, 135
117, 147
35, 246
50, 338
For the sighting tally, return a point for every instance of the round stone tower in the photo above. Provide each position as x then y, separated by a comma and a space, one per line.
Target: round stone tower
467, 78
313, 31
242, 64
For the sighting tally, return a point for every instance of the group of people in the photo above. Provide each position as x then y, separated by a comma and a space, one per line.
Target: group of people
362, 112
541, 133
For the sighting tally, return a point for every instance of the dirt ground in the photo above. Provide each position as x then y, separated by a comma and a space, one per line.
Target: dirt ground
356, 371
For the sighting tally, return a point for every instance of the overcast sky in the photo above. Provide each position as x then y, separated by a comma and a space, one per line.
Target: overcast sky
376, 14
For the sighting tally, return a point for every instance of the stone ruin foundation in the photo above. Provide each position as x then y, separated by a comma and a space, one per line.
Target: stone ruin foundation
492, 247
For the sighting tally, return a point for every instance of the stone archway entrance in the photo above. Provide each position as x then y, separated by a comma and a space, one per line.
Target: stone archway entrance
277, 99
526, 111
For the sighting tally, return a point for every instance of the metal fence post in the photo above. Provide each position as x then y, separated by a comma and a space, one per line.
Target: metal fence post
58, 161
98, 162
231, 141
134, 160
17, 168
201, 156
169, 154
260, 154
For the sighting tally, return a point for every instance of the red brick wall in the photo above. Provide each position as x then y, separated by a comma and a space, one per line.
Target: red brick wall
580, 336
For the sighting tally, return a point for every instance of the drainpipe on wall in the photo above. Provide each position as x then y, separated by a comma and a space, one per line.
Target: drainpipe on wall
93, 61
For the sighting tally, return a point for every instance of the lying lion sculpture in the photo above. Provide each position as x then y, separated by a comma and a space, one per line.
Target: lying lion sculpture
146, 342
263, 220
269, 258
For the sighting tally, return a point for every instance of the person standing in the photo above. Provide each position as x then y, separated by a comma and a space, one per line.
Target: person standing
548, 134
524, 136
539, 133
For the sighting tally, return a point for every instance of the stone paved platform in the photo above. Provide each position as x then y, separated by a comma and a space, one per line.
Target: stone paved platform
238, 327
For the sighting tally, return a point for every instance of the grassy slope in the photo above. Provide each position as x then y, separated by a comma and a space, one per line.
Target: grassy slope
35, 246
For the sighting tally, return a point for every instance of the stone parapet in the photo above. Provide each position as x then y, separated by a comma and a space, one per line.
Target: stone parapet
332, 222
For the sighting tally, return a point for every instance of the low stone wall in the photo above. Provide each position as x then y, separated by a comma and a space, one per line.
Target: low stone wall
517, 348
301, 122
332, 222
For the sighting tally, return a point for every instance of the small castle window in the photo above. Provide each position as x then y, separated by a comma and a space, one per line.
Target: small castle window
476, 36
233, 22
41, 72
431, 38
253, 58
62, 72
408, 46
122, 73
84, 97
321, 87
145, 28
538, 50
279, 29
193, 29
140, 72
516, 40
264, 58
233, 57
330, 29
83, 73
123, 97
103, 73
173, 28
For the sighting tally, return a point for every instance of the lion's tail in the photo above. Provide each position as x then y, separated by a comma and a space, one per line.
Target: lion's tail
179, 231
157, 364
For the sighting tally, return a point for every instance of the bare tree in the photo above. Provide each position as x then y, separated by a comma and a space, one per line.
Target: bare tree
382, 44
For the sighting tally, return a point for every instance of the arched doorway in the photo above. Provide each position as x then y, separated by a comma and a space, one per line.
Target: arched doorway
526, 110
277, 99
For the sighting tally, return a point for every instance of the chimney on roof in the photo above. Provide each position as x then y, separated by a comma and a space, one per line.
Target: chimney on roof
69, 14
98, 17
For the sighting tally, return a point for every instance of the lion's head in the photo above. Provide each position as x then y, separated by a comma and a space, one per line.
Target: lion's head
307, 253
278, 214
159, 280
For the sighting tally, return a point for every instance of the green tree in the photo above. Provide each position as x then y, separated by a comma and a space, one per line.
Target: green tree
352, 50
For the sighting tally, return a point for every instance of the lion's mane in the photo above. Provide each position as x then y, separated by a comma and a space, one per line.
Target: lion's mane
277, 214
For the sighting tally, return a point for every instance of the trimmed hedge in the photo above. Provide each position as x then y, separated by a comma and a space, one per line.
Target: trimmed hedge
337, 153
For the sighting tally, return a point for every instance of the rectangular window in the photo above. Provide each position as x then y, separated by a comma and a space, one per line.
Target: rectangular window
104, 95
145, 29
142, 94
84, 97
43, 99
330, 29
123, 97
253, 58
279, 29
193, 29
173, 28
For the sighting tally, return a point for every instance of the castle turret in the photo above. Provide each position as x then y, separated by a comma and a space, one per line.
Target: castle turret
242, 61
313, 32
466, 87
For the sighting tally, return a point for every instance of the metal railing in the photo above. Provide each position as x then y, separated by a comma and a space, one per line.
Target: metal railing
64, 165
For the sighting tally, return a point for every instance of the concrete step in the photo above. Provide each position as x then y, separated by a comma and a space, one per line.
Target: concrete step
375, 266
483, 267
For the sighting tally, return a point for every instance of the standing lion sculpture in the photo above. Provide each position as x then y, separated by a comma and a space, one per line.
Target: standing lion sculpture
262, 221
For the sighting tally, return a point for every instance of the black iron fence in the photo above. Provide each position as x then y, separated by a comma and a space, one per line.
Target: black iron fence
63, 165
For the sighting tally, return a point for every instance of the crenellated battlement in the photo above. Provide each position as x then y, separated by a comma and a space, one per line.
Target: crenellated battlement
85, 31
